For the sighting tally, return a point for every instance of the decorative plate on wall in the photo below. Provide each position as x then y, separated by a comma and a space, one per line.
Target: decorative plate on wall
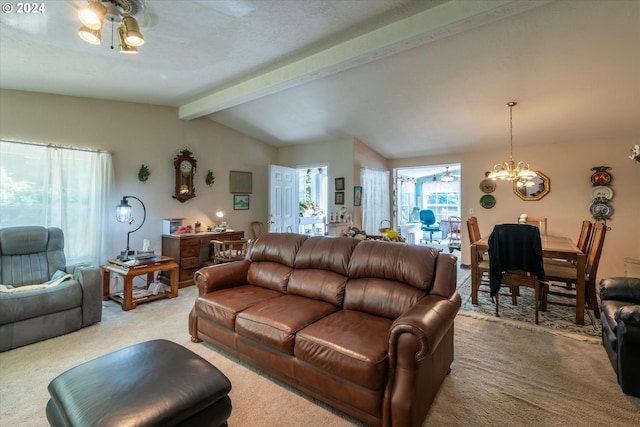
602, 193
487, 185
487, 201
601, 210
601, 176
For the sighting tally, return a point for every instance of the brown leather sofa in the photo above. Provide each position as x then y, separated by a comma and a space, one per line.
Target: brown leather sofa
364, 326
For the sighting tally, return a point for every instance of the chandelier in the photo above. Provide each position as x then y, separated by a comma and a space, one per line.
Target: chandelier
122, 12
510, 170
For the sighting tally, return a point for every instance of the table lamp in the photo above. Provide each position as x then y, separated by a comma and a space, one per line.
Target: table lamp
123, 214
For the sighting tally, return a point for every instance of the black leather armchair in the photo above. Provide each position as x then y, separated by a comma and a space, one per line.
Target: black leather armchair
620, 319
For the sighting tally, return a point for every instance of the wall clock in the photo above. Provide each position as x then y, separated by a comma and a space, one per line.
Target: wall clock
185, 168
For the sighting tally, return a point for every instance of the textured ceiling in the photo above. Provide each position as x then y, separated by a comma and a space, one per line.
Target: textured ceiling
406, 77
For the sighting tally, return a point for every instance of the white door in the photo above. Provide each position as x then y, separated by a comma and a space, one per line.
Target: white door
283, 199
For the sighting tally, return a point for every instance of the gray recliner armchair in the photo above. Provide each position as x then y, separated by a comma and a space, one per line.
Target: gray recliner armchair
31, 256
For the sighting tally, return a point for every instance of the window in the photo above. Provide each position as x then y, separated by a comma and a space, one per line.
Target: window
58, 187
442, 198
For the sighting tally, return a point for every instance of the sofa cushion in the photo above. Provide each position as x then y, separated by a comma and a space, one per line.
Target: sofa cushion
224, 305
318, 284
274, 323
380, 297
321, 267
411, 264
349, 344
270, 275
326, 254
15, 307
279, 248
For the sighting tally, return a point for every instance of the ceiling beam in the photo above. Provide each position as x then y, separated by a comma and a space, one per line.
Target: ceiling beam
441, 21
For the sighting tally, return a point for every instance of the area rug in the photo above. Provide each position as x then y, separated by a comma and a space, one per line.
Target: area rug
557, 319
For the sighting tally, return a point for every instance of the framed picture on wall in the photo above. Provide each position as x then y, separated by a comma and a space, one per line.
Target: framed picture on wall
240, 182
339, 184
240, 202
339, 200
357, 195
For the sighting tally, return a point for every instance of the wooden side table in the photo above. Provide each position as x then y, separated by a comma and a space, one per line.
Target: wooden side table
129, 271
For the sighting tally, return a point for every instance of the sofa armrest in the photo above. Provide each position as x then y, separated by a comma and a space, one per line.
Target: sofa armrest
90, 279
221, 276
629, 314
427, 322
620, 288
420, 353
628, 368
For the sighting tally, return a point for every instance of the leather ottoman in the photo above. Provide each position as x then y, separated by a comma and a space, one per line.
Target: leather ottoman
154, 383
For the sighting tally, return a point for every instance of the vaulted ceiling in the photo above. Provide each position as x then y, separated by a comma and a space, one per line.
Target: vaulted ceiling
407, 77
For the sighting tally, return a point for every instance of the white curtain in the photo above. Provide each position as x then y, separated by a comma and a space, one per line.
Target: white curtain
58, 187
375, 199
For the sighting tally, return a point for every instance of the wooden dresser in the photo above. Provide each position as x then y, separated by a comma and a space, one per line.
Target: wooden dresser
191, 251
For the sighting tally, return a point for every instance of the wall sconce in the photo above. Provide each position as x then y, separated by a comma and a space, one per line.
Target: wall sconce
123, 214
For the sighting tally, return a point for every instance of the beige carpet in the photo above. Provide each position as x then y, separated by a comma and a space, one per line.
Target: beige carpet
502, 375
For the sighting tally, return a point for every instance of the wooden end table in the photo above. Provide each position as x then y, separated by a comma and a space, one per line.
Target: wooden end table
129, 270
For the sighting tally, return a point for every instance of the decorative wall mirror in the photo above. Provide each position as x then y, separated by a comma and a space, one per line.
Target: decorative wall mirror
540, 188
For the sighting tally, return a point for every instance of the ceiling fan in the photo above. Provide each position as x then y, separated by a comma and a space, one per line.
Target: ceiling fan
124, 12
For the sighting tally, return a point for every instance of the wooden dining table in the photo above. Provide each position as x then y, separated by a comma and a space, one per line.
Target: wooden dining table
552, 247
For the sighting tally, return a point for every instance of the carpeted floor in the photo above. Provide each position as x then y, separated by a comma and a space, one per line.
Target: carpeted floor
501, 375
558, 318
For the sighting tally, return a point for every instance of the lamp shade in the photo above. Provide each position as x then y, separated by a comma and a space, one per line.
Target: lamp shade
123, 211
123, 46
92, 15
132, 34
89, 35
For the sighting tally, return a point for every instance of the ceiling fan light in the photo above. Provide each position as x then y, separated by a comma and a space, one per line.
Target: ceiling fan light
123, 46
89, 35
132, 34
92, 15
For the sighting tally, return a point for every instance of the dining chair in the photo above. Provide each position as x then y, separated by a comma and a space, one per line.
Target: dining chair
228, 251
585, 236
567, 273
538, 221
583, 244
483, 262
257, 229
515, 254
455, 240
429, 225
